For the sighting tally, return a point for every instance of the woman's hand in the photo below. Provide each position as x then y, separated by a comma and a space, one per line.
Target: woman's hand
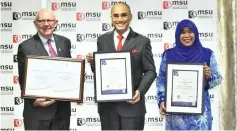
162, 108
207, 71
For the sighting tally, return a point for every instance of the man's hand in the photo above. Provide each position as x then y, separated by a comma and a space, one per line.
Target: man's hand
136, 97
90, 58
42, 102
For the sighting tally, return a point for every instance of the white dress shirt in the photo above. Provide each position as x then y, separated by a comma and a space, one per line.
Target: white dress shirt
45, 43
116, 40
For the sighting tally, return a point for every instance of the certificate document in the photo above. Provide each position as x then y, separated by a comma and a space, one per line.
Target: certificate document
184, 92
54, 78
113, 76
184, 88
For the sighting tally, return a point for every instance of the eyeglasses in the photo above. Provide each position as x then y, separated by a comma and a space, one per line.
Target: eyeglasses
122, 15
48, 21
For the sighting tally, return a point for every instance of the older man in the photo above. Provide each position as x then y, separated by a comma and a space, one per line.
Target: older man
42, 114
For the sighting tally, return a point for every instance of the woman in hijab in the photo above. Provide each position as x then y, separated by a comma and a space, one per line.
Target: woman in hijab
188, 49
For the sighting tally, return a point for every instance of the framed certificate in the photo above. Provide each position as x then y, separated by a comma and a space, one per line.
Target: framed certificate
113, 77
184, 88
54, 78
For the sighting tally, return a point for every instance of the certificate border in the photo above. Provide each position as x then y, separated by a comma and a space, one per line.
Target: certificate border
81, 91
202, 93
95, 87
125, 72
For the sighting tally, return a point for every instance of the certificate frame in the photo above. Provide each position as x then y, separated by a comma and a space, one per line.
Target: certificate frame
194, 87
77, 96
105, 60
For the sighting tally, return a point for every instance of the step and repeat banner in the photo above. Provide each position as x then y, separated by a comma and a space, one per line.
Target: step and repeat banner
83, 21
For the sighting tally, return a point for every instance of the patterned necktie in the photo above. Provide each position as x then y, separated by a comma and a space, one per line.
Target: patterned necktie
51, 50
119, 47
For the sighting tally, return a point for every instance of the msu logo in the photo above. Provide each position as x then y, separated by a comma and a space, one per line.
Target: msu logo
16, 15
81, 121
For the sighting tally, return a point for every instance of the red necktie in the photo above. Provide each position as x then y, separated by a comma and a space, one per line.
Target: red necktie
51, 50
119, 47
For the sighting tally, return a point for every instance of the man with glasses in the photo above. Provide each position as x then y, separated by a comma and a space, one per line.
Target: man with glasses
128, 115
43, 114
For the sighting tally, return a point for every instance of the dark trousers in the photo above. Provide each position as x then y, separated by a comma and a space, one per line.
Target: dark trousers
111, 120
58, 122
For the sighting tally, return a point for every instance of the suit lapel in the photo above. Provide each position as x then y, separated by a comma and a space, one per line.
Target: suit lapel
110, 42
58, 45
40, 46
129, 40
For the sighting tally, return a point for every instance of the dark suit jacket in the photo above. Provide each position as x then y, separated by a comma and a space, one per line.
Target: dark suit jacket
34, 46
143, 70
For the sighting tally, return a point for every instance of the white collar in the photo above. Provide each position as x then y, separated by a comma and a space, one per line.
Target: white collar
125, 34
44, 40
